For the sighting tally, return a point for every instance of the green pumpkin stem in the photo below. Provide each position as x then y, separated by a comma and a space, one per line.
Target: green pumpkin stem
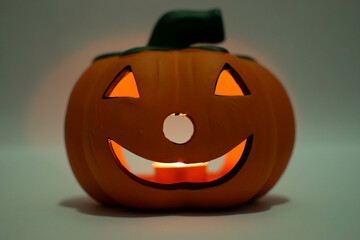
181, 28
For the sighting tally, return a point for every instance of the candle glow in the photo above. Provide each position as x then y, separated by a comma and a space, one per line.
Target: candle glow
168, 173
178, 165
177, 172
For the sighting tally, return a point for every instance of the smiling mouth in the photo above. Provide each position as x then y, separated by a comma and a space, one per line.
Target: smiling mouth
180, 175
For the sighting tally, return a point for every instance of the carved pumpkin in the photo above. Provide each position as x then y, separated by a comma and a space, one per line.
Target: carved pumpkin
234, 107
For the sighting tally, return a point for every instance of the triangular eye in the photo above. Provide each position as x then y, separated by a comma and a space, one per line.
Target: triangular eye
229, 83
124, 85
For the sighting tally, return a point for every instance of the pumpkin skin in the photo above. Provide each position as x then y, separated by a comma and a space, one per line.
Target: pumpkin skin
178, 81
221, 123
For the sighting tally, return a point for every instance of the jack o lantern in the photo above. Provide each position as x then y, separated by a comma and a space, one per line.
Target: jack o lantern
232, 107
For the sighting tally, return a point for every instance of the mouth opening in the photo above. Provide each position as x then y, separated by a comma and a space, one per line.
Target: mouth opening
179, 175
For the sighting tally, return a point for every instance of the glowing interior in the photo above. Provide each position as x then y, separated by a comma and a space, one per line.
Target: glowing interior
124, 85
178, 165
226, 85
177, 172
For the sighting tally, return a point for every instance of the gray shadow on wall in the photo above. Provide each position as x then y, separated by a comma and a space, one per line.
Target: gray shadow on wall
88, 206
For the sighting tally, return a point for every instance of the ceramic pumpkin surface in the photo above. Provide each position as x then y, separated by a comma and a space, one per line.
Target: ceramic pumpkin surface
233, 107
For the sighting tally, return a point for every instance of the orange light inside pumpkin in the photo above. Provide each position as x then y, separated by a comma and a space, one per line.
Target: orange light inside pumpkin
169, 173
227, 86
229, 83
124, 85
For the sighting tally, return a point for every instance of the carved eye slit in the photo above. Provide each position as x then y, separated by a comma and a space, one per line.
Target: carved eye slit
229, 83
123, 85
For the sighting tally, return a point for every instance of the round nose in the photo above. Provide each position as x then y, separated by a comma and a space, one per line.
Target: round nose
178, 128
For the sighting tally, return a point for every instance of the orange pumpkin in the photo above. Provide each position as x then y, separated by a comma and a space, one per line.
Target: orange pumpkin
236, 107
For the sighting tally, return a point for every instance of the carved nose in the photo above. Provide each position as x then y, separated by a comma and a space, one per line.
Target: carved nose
178, 128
